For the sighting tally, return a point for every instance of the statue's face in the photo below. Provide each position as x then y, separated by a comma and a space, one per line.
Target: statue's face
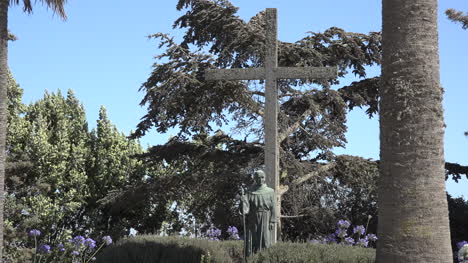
259, 178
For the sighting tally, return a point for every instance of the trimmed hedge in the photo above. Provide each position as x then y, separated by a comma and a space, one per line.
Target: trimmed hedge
151, 249
287, 252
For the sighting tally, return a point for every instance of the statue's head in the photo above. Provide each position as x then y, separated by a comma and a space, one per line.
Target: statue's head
259, 177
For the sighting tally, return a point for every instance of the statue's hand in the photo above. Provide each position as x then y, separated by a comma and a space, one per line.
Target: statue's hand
244, 205
244, 199
272, 225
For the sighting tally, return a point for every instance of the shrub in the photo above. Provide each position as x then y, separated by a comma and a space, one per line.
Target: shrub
307, 252
77, 250
147, 248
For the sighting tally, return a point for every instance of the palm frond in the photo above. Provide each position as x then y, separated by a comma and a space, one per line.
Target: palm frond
55, 5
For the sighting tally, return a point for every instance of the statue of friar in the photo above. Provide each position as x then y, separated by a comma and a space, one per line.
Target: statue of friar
258, 209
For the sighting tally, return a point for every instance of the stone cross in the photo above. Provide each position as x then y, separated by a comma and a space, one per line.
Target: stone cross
271, 73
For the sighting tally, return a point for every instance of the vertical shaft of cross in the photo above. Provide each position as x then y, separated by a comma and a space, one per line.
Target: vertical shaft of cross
271, 73
271, 103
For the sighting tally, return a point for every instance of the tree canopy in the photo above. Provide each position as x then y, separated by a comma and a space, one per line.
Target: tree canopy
58, 171
221, 135
312, 114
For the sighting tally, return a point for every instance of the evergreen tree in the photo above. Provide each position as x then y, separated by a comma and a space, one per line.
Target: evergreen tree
58, 172
111, 168
57, 7
57, 150
17, 165
311, 118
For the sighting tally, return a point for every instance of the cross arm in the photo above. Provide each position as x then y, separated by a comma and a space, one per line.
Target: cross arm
235, 74
306, 72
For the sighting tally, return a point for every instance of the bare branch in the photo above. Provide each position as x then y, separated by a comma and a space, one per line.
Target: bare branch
258, 93
308, 176
282, 216
293, 127
284, 188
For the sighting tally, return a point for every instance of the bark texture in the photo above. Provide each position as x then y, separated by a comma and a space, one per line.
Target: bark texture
413, 215
3, 107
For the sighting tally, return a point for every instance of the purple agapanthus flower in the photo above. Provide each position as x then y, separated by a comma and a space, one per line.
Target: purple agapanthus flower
233, 233
461, 244
360, 230
344, 224
371, 237
232, 229
75, 253
78, 241
362, 242
341, 233
213, 233
90, 243
61, 247
34, 233
463, 254
349, 241
107, 240
44, 249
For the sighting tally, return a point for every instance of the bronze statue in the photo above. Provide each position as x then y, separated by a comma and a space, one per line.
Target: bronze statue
258, 210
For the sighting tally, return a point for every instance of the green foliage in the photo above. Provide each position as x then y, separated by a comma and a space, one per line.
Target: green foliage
57, 171
57, 6
55, 187
208, 154
458, 214
347, 191
50, 136
458, 16
313, 253
143, 249
178, 95
148, 248
11, 36
109, 167
455, 170
311, 120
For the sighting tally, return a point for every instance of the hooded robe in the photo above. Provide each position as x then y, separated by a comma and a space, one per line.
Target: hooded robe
259, 208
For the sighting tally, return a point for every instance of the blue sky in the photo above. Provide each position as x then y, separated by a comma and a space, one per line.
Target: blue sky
102, 53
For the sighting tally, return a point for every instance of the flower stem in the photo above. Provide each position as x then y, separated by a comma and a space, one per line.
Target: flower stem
35, 248
95, 252
365, 230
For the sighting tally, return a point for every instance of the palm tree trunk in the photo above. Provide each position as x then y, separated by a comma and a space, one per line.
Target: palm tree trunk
413, 215
3, 106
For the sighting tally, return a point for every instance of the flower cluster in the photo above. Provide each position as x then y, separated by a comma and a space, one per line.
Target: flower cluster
34, 233
233, 233
341, 236
107, 240
343, 224
44, 249
462, 251
78, 248
213, 234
